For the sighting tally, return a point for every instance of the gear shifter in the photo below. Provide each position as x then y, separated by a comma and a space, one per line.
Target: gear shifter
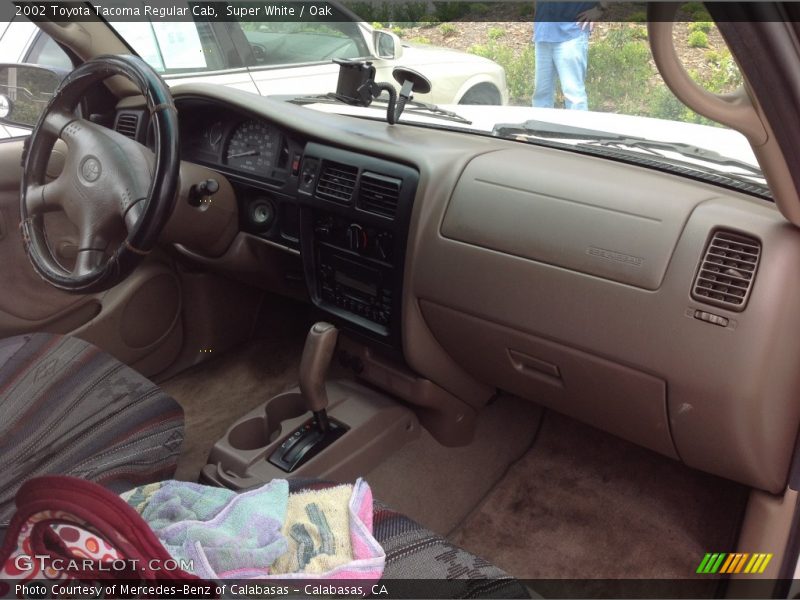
312, 438
317, 354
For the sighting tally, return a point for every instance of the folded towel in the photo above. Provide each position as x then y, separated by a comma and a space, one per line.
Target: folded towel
329, 533
221, 531
265, 533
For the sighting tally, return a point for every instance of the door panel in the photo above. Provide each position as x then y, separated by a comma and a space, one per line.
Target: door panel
138, 321
26, 302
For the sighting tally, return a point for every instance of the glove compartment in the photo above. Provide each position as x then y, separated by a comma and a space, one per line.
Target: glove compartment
603, 393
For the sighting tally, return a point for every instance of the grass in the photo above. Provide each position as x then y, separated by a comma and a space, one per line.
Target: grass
704, 26
448, 30
519, 68
495, 33
621, 76
697, 39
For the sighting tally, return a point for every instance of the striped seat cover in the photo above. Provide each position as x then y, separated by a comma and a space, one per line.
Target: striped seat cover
68, 408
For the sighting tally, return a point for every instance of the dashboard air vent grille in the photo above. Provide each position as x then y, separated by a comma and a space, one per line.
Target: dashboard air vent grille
379, 194
726, 273
337, 182
127, 124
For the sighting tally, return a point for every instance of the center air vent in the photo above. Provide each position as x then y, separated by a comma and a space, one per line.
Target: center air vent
337, 182
127, 124
379, 194
726, 273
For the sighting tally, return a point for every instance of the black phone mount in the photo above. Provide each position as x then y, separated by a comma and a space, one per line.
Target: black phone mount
357, 86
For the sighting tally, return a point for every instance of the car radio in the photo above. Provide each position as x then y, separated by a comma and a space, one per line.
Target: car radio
354, 287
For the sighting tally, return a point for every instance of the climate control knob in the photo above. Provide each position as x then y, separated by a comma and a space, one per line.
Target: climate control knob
356, 237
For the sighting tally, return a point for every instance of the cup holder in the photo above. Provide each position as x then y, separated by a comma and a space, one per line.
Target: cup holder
261, 430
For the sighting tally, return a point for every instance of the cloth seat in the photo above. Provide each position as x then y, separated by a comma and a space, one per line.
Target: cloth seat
416, 555
68, 408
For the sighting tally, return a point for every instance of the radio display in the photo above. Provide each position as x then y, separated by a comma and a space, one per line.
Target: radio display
367, 288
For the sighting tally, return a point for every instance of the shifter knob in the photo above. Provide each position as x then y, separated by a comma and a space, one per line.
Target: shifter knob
317, 354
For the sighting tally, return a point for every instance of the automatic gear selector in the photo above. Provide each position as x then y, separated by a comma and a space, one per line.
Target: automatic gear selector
314, 436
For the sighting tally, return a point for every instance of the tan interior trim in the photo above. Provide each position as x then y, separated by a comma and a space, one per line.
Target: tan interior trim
738, 110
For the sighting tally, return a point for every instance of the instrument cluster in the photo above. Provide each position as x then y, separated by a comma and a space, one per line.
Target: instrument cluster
236, 144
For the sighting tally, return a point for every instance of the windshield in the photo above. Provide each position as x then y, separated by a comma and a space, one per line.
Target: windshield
493, 68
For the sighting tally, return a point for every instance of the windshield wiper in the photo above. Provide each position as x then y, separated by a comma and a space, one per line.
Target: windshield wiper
412, 106
543, 129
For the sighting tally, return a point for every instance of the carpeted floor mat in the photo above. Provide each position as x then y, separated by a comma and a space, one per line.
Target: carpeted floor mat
214, 394
439, 486
586, 505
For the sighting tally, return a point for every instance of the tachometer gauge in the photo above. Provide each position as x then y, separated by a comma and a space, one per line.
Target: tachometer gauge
252, 147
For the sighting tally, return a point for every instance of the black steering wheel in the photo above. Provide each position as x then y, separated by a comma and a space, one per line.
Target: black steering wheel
108, 180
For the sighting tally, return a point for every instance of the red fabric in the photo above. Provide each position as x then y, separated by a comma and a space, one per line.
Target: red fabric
57, 500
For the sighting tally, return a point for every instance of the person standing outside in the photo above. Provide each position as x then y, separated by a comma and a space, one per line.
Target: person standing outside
561, 37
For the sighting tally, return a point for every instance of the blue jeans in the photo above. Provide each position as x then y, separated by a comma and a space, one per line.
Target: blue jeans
569, 60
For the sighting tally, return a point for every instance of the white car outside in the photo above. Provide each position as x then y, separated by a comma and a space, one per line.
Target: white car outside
192, 52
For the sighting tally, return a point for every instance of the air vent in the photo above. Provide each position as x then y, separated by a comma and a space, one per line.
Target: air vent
379, 194
337, 182
726, 274
127, 124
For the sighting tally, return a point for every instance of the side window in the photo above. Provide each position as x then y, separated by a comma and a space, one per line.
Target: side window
47, 53
284, 43
25, 92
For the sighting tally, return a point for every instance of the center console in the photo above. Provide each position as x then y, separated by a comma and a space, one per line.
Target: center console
354, 220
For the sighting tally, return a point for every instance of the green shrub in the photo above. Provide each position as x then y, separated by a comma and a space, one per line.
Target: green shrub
639, 33
519, 69
526, 11
662, 104
638, 16
620, 35
723, 76
704, 26
478, 8
420, 39
450, 11
410, 12
619, 73
495, 33
373, 11
448, 30
697, 39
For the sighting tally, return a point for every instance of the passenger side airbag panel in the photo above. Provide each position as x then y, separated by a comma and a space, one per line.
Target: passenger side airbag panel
557, 218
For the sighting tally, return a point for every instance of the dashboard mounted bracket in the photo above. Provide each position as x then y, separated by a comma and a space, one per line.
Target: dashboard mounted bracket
357, 86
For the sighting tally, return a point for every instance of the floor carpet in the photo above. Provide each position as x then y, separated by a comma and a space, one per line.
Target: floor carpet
216, 393
439, 486
584, 504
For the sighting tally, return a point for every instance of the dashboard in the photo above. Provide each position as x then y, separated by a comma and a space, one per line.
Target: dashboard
345, 213
647, 304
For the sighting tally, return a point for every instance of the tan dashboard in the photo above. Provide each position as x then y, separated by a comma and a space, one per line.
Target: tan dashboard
576, 282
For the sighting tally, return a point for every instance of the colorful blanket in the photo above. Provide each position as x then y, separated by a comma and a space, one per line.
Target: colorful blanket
265, 532
220, 531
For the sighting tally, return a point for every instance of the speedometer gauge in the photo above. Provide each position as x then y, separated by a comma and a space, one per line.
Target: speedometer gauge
252, 147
